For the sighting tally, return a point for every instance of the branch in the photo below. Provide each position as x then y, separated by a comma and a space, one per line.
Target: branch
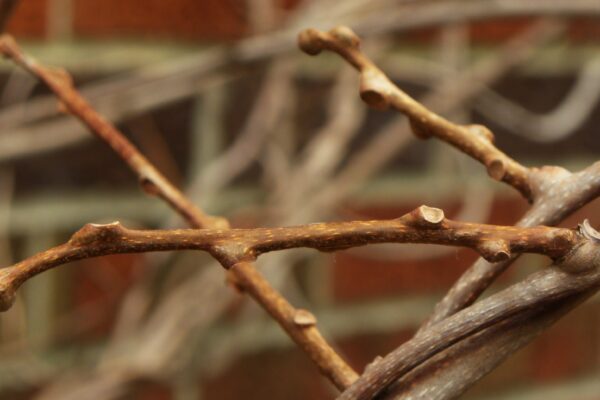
154, 183
560, 194
575, 274
451, 372
232, 246
444, 97
380, 93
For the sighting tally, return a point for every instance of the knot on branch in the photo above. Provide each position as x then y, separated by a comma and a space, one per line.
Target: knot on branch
481, 131
304, 318
375, 89
494, 250
97, 233
427, 217
496, 169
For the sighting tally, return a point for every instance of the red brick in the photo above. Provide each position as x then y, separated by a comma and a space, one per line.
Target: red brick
28, 19
191, 19
100, 283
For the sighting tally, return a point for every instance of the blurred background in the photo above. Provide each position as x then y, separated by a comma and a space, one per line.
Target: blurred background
217, 95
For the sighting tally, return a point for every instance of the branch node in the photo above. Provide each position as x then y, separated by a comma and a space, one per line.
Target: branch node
494, 250
496, 169
91, 233
304, 318
374, 89
310, 41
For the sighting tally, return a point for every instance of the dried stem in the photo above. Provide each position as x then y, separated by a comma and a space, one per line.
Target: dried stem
232, 246
380, 93
577, 273
153, 182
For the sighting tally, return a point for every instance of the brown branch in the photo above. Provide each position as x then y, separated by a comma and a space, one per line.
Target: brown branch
380, 93
153, 182
232, 246
444, 97
560, 194
554, 191
575, 274
454, 370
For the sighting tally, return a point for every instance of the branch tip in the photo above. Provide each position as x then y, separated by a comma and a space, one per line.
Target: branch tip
494, 250
310, 41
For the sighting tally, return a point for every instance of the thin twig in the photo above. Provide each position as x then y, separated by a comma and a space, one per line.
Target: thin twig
575, 274
380, 93
232, 246
250, 280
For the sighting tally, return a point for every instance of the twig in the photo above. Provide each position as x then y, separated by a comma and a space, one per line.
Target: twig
308, 338
232, 246
152, 181
444, 98
575, 274
472, 358
380, 93
561, 193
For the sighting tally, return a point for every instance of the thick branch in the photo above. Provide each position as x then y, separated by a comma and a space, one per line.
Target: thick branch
577, 273
232, 246
560, 193
380, 93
